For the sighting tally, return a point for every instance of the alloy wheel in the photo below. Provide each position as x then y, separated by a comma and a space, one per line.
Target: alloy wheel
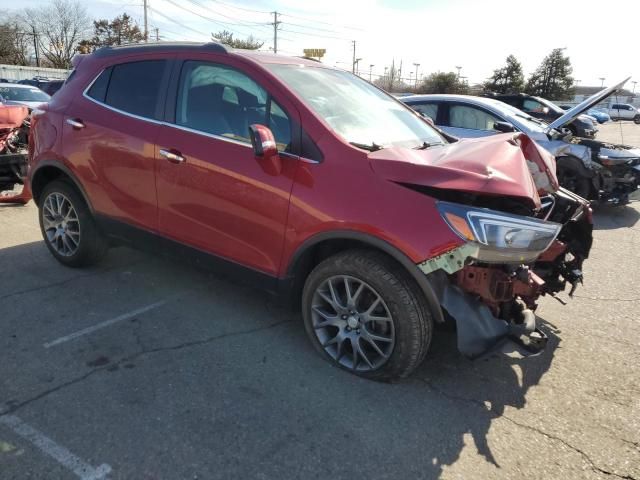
61, 224
352, 323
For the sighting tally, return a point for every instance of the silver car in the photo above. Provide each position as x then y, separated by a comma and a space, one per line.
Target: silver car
593, 169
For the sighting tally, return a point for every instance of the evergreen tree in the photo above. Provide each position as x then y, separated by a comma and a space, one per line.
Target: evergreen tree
552, 79
508, 79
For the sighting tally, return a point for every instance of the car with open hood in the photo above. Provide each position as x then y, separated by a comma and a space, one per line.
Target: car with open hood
312, 183
593, 169
547, 111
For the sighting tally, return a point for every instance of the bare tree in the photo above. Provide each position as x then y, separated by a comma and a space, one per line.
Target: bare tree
15, 44
59, 26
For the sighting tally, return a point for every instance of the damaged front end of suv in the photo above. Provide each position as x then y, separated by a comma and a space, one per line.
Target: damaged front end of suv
523, 237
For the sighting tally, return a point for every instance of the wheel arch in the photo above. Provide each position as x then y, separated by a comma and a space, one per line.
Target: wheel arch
46, 172
321, 246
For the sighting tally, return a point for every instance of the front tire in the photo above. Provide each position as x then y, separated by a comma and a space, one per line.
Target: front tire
365, 314
570, 177
68, 228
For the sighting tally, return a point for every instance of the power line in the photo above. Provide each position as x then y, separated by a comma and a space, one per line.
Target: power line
173, 20
240, 8
325, 23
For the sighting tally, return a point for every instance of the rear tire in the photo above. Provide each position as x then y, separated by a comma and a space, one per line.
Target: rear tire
67, 226
363, 301
636, 119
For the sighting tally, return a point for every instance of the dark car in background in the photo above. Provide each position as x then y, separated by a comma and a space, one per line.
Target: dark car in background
47, 85
547, 111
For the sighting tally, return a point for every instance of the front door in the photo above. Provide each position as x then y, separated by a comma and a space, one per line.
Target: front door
212, 192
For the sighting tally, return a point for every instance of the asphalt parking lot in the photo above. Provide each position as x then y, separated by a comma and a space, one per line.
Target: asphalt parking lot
143, 368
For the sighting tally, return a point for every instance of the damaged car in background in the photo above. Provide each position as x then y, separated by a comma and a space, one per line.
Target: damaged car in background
14, 132
595, 170
318, 185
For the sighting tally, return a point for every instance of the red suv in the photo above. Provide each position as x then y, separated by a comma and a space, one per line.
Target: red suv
312, 183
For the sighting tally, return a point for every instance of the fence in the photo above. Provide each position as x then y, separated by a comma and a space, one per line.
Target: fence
14, 73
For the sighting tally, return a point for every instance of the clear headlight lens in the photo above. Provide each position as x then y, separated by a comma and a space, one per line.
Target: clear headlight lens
500, 236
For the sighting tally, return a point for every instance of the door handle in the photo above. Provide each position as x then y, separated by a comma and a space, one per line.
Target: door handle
75, 123
173, 157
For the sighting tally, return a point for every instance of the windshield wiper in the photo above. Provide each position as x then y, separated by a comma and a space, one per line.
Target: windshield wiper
426, 145
371, 147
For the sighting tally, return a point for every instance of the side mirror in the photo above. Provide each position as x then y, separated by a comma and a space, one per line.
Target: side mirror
265, 149
504, 127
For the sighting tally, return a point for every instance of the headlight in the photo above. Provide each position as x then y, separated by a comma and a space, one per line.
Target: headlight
501, 237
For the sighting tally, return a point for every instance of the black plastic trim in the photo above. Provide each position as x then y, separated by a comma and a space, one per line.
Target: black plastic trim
124, 233
374, 242
169, 47
67, 172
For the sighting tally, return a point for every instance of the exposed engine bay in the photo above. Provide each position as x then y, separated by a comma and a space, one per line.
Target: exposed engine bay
524, 236
605, 172
14, 139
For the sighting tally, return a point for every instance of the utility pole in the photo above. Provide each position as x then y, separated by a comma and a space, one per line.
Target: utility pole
146, 25
353, 70
370, 68
459, 68
157, 34
634, 87
417, 65
35, 46
602, 79
275, 31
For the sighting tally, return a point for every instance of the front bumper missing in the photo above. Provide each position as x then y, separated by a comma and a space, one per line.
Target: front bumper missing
478, 330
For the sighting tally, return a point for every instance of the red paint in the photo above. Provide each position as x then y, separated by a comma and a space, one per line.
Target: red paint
258, 210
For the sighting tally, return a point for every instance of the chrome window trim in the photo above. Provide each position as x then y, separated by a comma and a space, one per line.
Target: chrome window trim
179, 127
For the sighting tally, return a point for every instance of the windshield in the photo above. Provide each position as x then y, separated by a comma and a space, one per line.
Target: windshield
552, 106
356, 110
23, 94
529, 122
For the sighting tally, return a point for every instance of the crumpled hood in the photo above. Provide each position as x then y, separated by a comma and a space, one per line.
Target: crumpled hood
506, 164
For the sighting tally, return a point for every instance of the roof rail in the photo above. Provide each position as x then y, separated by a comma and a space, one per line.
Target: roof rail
212, 46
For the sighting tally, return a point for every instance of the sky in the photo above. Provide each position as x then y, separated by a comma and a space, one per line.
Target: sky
601, 38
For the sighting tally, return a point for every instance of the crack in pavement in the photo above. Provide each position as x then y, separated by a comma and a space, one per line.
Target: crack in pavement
539, 431
13, 407
608, 299
67, 280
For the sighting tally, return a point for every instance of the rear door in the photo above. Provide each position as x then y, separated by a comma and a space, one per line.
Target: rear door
212, 192
110, 134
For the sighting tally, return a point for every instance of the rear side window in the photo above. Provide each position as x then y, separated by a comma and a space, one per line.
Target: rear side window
131, 87
98, 90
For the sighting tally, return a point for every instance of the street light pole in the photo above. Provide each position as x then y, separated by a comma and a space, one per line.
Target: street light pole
602, 79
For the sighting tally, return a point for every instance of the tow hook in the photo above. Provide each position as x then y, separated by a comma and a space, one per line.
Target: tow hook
577, 278
527, 335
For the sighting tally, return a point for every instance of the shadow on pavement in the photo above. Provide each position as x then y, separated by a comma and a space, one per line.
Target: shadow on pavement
477, 392
280, 409
609, 218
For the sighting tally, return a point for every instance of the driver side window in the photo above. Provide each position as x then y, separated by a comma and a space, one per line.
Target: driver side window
222, 101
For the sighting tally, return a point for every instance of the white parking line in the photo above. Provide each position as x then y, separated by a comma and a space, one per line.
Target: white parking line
64, 457
106, 323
